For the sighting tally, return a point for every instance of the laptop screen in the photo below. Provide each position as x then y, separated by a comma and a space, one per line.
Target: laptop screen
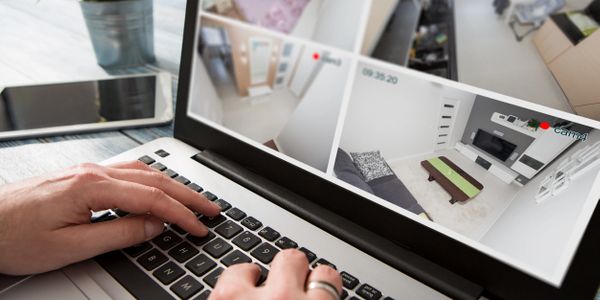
343, 90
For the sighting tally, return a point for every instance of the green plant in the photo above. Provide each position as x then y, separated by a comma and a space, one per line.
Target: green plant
533, 123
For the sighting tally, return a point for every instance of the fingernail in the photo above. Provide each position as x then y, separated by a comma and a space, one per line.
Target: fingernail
152, 229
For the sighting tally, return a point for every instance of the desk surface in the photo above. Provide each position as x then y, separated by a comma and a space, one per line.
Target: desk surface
44, 41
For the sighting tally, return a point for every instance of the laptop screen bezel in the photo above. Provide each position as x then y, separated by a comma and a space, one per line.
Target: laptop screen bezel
498, 279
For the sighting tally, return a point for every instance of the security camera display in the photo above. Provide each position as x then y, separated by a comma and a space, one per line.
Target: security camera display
515, 178
546, 52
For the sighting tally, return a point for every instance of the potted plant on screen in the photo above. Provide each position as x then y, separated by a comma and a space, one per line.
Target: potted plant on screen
122, 31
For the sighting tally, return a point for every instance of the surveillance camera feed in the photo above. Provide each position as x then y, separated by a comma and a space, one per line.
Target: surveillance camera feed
504, 158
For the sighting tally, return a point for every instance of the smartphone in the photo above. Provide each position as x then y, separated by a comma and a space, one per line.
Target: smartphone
76, 107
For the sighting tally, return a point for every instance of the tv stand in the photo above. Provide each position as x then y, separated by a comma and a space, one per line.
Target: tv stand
503, 173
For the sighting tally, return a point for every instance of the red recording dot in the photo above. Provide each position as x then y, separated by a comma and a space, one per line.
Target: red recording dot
316, 56
545, 125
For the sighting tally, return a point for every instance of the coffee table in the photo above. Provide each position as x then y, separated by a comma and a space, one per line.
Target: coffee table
460, 185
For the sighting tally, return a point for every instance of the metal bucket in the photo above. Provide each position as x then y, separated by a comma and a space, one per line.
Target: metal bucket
122, 32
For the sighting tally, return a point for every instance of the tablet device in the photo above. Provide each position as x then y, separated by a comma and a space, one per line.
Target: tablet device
73, 107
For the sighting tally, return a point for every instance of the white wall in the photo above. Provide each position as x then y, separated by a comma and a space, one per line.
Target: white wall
307, 23
536, 234
338, 22
379, 15
303, 71
399, 120
204, 100
308, 135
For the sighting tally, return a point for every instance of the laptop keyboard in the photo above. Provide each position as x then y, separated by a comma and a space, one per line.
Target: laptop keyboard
189, 266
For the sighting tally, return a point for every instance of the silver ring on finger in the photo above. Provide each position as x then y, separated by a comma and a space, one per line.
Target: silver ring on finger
326, 286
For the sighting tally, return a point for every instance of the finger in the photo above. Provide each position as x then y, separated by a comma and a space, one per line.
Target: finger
140, 199
236, 281
326, 274
89, 240
132, 164
176, 190
288, 271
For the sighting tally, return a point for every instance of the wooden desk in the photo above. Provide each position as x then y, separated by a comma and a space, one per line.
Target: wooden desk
46, 41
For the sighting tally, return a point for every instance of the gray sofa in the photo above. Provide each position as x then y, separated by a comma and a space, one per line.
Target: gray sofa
389, 188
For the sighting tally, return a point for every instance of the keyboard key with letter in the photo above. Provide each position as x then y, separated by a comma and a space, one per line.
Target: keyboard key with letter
186, 287
168, 273
235, 257
152, 259
368, 292
217, 248
183, 252
200, 265
251, 223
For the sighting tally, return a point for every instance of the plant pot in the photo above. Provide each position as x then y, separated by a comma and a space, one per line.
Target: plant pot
122, 32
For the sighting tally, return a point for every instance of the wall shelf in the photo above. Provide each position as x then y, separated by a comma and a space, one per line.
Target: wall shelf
517, 125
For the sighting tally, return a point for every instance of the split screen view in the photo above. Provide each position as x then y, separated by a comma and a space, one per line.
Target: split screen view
512, 178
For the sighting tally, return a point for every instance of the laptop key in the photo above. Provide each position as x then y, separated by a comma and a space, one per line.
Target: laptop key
344, 294
349, 281
170, 173
235, 257
286, 243
200, 240
200, 265
223, 204
212, 277
251, 223
310, 256
246, 240
186, 287
236, 214
168, 273
388, 298
146, 159
217, 248
166, 240
212, 222
159, 166
210, 196
323, 261
269, 234
162, 153
195, 187
136, 250
182, 180
178, 229
152, 259
264, 253
368, 292
228, 229
203, 296
183, 252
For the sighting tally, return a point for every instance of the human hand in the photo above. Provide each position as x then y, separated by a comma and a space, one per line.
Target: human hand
288, 279
45, 221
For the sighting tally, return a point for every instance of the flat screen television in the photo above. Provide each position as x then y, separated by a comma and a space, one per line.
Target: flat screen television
495, 146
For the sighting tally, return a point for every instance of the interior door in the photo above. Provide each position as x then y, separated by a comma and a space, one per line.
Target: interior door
260, 59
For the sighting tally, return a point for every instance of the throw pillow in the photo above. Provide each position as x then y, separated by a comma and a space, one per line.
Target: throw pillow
371, 164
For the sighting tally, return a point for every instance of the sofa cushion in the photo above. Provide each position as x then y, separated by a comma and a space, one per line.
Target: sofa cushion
346, 171
371, 165
391, 189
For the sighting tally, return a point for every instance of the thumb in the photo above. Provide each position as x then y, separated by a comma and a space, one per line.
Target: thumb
89, 240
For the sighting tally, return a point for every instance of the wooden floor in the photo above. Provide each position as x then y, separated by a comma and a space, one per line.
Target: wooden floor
47, 41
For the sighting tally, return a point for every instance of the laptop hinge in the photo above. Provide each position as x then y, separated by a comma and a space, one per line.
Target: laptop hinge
402, 259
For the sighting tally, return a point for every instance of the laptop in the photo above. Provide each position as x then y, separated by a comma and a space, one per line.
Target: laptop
412, 186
